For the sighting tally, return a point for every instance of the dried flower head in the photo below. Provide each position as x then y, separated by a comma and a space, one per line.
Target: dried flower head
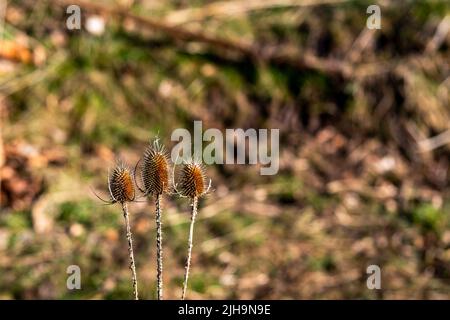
120, 183
192, 182
155, 170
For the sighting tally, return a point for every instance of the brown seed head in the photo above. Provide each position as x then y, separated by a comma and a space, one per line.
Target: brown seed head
121, 185
192, 180
155, 170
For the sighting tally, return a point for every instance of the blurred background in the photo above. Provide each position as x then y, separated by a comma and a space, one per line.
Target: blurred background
364, 119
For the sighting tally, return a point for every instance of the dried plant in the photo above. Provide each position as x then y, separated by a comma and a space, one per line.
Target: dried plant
121, 190
192, 184
155, 181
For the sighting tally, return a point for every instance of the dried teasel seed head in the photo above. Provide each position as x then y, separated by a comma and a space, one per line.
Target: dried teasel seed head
120, 183
155, 170
192, 181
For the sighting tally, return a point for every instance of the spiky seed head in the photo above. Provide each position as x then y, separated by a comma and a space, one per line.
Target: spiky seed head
155, 170
121, 185
192, 181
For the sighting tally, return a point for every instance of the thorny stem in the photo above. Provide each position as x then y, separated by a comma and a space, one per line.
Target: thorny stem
159, 249
130, 250
191, 234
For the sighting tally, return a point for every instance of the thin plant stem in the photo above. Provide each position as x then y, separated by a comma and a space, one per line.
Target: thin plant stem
159, 250
130, 250
191, 234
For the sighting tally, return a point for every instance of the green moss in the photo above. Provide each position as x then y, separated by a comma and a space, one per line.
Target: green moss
286, 189
429, 218
79, 212
201, 282
16, 221
325, 263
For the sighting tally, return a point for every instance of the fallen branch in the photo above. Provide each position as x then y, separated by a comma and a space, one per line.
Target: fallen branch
268, 54
435, 142
238, 7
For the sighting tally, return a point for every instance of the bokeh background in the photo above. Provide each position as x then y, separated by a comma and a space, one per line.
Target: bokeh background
364, 119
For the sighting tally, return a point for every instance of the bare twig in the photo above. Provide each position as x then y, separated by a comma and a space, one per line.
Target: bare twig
439, 36
364, 40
